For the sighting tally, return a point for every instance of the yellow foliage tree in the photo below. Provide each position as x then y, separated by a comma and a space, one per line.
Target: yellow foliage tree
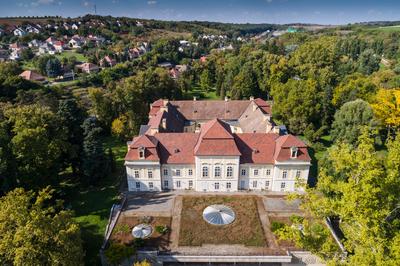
118, 126
142, 263
387, 107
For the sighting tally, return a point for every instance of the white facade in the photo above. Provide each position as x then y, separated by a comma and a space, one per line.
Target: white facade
143, 176
216, 174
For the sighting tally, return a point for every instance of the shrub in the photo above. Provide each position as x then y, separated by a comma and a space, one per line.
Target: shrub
162, 229
138, 242
146, 219
116, 252
122, 228
275, 226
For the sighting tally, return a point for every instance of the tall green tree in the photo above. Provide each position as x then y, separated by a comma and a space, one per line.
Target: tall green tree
53, 68
350, 119
34, 231
360, 188
368, 62
71, 117
37, 144
297, 104
94, 161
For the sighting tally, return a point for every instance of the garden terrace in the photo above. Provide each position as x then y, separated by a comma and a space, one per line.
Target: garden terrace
122, 232
245, 230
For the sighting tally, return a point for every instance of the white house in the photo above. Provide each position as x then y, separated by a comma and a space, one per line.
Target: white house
19, 32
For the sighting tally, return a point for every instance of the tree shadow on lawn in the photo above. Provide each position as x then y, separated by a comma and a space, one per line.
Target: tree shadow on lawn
92, 241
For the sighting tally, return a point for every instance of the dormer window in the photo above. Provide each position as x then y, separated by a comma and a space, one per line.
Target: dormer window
293, 152
142, 152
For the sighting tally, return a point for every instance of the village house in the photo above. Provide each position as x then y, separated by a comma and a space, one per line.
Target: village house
107, 61
32, 76
88, 68
32, 29
59, 46
74, 26
16, 47
34, 43
46, 48
214, 146
19, 32
76, 42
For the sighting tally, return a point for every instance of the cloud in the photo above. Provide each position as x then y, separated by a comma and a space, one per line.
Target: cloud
151, 2
44, 2
86, 3
269, 1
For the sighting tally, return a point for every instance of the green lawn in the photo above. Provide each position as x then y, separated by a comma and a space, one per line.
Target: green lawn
70, 53
316, 154
202, 95
92, 205
388, 28
28, 65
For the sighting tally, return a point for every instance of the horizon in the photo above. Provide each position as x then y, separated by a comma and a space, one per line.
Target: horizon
226, 11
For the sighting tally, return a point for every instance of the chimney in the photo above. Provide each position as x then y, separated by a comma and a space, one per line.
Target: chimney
194, 98
226, 98
251, 98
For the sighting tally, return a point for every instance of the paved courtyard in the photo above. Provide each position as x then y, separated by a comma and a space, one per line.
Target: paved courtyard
150, 204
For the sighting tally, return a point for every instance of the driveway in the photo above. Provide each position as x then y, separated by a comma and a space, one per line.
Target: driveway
150, 204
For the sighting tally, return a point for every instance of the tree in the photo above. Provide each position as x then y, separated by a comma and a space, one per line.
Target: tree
94, 160
27, 54
297, 103
53, 67
34, 231
387, 107
37, 144
368, 62
350, 119
41, 63
355, 86
206, 80
360, 188
245, 83
71, 117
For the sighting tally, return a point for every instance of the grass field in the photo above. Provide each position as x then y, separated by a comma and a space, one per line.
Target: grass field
201, 95
70, 53
246, 229
92, 205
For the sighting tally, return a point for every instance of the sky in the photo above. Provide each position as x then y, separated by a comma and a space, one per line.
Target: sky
237, 11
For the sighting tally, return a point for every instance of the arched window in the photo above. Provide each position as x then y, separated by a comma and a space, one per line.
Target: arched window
229, 171
205, 171
217, 171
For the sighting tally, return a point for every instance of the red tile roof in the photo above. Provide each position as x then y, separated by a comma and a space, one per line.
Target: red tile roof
216, 139
283, 145
31, 75
177, 148
265, 107
149, 143
207, 110
256, 148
